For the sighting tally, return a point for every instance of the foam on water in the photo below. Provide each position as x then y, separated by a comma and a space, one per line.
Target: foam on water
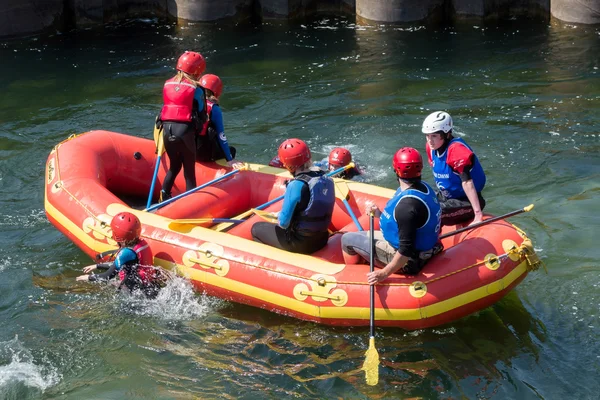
177, 301
18, 367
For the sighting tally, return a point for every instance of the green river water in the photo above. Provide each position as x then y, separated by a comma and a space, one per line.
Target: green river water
525, 96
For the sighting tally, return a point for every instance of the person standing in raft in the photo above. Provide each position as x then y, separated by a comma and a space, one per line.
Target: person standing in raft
182, 116
457, 171
132, 261
211, 142
338, 157
410, 225
307, 205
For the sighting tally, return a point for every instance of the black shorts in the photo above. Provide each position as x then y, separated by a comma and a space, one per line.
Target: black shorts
276, 236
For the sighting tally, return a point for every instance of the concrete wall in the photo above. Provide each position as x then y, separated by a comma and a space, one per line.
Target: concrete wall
21, 17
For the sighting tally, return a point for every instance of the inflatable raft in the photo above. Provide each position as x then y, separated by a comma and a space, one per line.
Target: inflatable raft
93, 176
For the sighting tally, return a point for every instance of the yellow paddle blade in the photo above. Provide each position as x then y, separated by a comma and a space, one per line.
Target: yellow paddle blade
270, 217
528, 208
158, 139
191, 221
341, 190
371, 365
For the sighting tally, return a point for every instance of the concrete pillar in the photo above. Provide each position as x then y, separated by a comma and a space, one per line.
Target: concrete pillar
398, 10
209, 10
576, 11
19, 17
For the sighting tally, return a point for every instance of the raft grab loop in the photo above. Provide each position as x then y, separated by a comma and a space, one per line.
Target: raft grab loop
208, 256
319, 290
417, 289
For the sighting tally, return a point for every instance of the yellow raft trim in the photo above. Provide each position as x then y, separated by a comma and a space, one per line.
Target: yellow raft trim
226, 240
325, 312
336, 312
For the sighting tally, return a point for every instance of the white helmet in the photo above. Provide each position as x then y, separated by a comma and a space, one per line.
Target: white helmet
436, 122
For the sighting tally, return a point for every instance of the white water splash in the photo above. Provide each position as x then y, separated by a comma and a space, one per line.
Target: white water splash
176, 302
17, 366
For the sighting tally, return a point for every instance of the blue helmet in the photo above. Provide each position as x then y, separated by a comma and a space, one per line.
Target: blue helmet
124, 257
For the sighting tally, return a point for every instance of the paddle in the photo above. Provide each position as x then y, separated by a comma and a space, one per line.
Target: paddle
172, 199
194, 221
158, 136
371, 364
275, 200
341, 192
488, 221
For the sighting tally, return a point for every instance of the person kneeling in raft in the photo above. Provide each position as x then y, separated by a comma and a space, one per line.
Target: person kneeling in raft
457, 171
410, 224
132, 261
307, 205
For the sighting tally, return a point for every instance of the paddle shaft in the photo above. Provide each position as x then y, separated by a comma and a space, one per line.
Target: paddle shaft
159, 151
206, 220
164, 203
487, 221
275, 200
372, 268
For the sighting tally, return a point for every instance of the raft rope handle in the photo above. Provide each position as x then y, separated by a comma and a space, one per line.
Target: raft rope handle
321, 281
325, 296
90, 213
208, 265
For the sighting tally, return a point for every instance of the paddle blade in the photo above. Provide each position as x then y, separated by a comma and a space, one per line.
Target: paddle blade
371, 365
341, 190
268, 216
159, 140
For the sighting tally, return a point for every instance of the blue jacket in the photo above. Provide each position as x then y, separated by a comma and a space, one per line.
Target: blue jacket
448, 181
428, 234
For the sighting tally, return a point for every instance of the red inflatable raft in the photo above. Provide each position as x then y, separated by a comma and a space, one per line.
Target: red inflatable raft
92, 177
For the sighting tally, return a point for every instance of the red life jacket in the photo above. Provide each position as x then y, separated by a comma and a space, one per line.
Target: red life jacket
209, 106
178, 99
145, 270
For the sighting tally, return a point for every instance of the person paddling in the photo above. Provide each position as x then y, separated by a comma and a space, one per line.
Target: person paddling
182, 117
410, 224
457, 171
132, 261
211, 142
307, 205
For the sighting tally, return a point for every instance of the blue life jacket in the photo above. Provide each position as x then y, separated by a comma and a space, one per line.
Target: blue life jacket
448, 181
428, 234
124, 257
316, 217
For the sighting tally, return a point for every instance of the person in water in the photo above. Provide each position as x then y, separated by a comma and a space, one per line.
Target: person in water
410, 224
338, 157
307, 205
132, 262
211, 142
456, 169
182, 116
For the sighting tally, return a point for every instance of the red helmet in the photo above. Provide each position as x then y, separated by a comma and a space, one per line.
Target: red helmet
408, 163
191, 63
125, 227
293, 153
212, 83
340, 157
